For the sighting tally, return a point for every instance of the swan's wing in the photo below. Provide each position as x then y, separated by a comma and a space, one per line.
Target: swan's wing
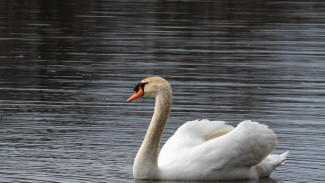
245, 146
188, 136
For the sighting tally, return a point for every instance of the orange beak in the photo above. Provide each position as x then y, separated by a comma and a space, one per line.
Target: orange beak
136, 95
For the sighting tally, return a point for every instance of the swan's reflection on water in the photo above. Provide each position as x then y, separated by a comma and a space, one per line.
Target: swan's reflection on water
261, 180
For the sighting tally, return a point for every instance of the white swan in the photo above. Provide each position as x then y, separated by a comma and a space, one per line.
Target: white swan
201, 150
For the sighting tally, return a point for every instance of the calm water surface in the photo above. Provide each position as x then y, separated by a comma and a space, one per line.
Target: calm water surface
67, 69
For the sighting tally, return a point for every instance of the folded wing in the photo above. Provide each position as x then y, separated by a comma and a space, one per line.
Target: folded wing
206, 146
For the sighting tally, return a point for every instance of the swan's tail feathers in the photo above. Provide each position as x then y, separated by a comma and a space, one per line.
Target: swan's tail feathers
270, 163
283, 157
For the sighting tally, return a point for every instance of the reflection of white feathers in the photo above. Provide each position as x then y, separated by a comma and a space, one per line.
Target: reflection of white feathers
215, 150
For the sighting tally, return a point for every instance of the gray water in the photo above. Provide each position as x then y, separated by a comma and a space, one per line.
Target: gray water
67, 68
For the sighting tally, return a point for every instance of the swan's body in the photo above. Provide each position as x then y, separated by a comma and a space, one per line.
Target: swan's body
201, 150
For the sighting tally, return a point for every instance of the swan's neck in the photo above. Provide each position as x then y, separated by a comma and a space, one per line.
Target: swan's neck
146, 162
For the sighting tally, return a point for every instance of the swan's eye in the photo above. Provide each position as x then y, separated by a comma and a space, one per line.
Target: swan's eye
140, 84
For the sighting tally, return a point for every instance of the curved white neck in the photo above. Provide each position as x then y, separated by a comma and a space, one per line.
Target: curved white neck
146, 162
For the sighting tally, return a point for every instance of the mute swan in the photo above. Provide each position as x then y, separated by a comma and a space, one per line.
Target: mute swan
201, 150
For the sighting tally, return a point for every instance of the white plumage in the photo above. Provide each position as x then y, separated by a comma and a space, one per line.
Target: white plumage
233, 153
201, 149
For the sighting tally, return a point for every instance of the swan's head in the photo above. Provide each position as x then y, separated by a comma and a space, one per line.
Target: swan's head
151, 87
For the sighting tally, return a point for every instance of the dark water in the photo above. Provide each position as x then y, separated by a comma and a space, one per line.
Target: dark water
67, 68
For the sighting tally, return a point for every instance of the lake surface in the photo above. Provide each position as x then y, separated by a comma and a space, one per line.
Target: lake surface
68, 67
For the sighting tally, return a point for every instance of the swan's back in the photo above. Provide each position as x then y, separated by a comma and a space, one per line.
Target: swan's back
214, 150
196, 132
